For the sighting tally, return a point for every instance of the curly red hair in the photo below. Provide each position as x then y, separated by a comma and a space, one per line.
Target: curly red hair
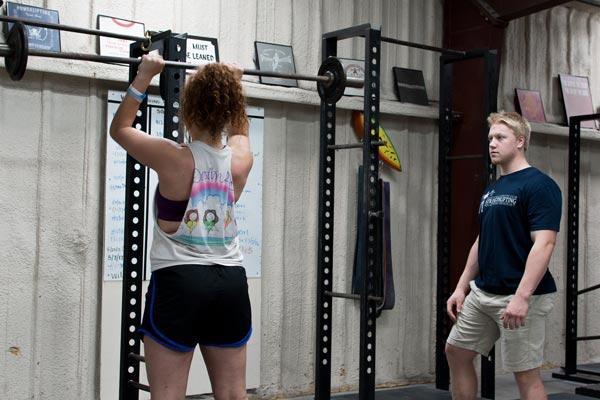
212, 99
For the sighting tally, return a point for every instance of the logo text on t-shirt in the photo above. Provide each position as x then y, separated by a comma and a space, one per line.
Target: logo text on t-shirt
489, 200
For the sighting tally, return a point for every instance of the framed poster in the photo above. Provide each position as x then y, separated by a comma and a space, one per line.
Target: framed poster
409, 86
114, 47
39, 38
353, 69
276, 58
201, 50
577, 98
529, 104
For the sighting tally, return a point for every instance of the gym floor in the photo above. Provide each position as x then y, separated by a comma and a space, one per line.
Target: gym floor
506, 389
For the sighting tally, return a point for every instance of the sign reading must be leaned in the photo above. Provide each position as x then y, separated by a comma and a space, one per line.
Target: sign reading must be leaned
201, 50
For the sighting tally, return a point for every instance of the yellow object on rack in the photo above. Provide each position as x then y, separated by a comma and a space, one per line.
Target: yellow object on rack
387, 152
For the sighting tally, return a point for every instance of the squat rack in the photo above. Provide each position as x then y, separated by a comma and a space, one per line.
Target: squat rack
368, 220
572, 371
445, 178
369, 217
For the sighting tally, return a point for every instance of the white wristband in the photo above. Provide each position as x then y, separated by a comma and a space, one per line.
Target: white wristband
136, 94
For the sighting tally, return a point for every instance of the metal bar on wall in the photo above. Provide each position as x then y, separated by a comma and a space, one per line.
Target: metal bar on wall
172, 83
572, 248
370, 236
173, 48
324, 327
445, 207
133, 256
588, 289
570, 370
347, 33
490, 96
442, 373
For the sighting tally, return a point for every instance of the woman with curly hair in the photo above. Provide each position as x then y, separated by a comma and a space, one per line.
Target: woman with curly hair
198, 293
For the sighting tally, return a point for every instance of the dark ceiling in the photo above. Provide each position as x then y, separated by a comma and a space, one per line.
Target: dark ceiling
499, 11
592, 2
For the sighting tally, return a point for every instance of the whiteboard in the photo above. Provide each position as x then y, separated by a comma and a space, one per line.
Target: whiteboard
248, 208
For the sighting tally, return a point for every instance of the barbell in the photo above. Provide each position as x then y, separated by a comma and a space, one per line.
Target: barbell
331, 79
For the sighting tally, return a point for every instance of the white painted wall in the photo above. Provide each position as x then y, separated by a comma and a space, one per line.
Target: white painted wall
51, 163
51, 173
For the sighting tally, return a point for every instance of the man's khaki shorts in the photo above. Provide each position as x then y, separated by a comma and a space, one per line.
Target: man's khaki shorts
479, 326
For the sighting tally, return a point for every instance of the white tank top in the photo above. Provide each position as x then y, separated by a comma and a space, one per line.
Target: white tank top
207, 234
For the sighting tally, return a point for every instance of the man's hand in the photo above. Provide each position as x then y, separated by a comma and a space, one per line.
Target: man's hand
515, 313
454, 304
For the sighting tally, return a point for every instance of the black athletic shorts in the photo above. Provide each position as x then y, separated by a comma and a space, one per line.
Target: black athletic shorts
207, 305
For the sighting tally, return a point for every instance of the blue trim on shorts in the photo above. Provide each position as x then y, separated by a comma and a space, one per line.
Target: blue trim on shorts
162, 338
239, 343
163, 343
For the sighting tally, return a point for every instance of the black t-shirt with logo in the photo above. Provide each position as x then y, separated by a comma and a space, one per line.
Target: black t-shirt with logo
510, 209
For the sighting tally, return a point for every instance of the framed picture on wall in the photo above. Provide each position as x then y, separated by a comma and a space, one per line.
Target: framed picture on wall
577, 98
276, 58
353, 69
114, 47
409, 86
39, 38
528, 103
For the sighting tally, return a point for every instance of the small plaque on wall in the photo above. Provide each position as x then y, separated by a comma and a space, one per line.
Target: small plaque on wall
353, 69
409, 86
275, 58
39, 38
115, 47
529, 104
577, 98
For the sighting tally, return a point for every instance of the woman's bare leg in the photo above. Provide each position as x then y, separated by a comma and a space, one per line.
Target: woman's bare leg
227, 371
167, 370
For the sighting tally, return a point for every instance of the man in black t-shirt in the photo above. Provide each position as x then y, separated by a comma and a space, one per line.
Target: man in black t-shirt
512, 290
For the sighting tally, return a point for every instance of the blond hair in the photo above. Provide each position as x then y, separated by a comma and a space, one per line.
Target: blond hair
515, 121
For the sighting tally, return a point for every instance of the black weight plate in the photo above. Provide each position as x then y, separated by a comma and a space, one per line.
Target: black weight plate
333, 91
16, 62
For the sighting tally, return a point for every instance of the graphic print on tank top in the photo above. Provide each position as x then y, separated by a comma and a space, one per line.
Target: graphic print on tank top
209, 220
